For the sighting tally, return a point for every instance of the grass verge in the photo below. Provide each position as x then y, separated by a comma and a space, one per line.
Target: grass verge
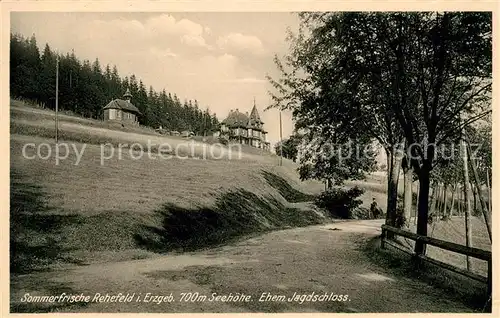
468, 291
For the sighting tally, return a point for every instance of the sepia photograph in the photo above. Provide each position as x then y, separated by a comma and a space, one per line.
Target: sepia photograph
250, 162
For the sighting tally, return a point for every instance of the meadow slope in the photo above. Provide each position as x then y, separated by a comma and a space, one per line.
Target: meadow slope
124, 208
84, 210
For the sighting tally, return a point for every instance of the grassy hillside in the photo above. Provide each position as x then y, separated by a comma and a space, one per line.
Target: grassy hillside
127, 208
20, 111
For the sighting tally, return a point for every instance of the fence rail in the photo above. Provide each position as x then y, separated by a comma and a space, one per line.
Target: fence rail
449, 246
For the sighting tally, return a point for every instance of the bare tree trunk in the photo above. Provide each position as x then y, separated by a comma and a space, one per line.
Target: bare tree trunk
468, 234
440, 191
434, 196
416, 210
459, 203
473, 189
484, 209
445, 200
423, 208
439, 201
393, 166
454, 190
408, 191
442, 199
433, 227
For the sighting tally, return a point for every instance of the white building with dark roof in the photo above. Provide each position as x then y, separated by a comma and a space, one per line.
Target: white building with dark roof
245, 129
122, 110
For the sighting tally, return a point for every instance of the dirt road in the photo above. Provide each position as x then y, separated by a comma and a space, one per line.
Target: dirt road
326, 260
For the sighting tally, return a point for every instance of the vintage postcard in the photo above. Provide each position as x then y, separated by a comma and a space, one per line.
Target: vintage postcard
211, 160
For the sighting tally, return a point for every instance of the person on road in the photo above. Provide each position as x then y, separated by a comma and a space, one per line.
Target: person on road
375, 210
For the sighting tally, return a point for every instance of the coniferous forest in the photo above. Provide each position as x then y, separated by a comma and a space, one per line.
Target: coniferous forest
86, 87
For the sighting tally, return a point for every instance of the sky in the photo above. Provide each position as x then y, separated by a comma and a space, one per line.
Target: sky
220, 59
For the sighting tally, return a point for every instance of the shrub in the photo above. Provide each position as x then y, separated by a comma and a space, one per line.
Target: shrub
400, 220
339, 202
223, 141
361, 213
430, 218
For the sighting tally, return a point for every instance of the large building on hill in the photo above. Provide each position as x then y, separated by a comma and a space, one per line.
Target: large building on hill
122, 110
245, 129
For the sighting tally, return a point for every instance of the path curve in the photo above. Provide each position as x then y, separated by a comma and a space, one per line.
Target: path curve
325, 259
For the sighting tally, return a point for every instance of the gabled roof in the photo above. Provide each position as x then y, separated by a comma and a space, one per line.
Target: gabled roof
238, 119
123, 105
235, 118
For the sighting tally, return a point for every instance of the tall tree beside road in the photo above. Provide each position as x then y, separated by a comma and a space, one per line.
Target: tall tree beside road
390, 76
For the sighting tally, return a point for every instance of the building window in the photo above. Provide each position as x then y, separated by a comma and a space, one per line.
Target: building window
112, 114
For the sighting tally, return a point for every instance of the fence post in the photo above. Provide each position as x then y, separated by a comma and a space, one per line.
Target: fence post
417, 260
424, 248
417, 252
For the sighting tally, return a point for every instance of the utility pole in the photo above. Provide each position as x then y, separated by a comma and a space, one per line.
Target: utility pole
205, 126
281, 142
57, 97
467, 209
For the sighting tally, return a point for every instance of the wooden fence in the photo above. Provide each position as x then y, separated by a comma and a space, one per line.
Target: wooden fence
453, 247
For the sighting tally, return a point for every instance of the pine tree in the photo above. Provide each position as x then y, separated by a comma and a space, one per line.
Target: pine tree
141, 102
85, 88
47, 78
